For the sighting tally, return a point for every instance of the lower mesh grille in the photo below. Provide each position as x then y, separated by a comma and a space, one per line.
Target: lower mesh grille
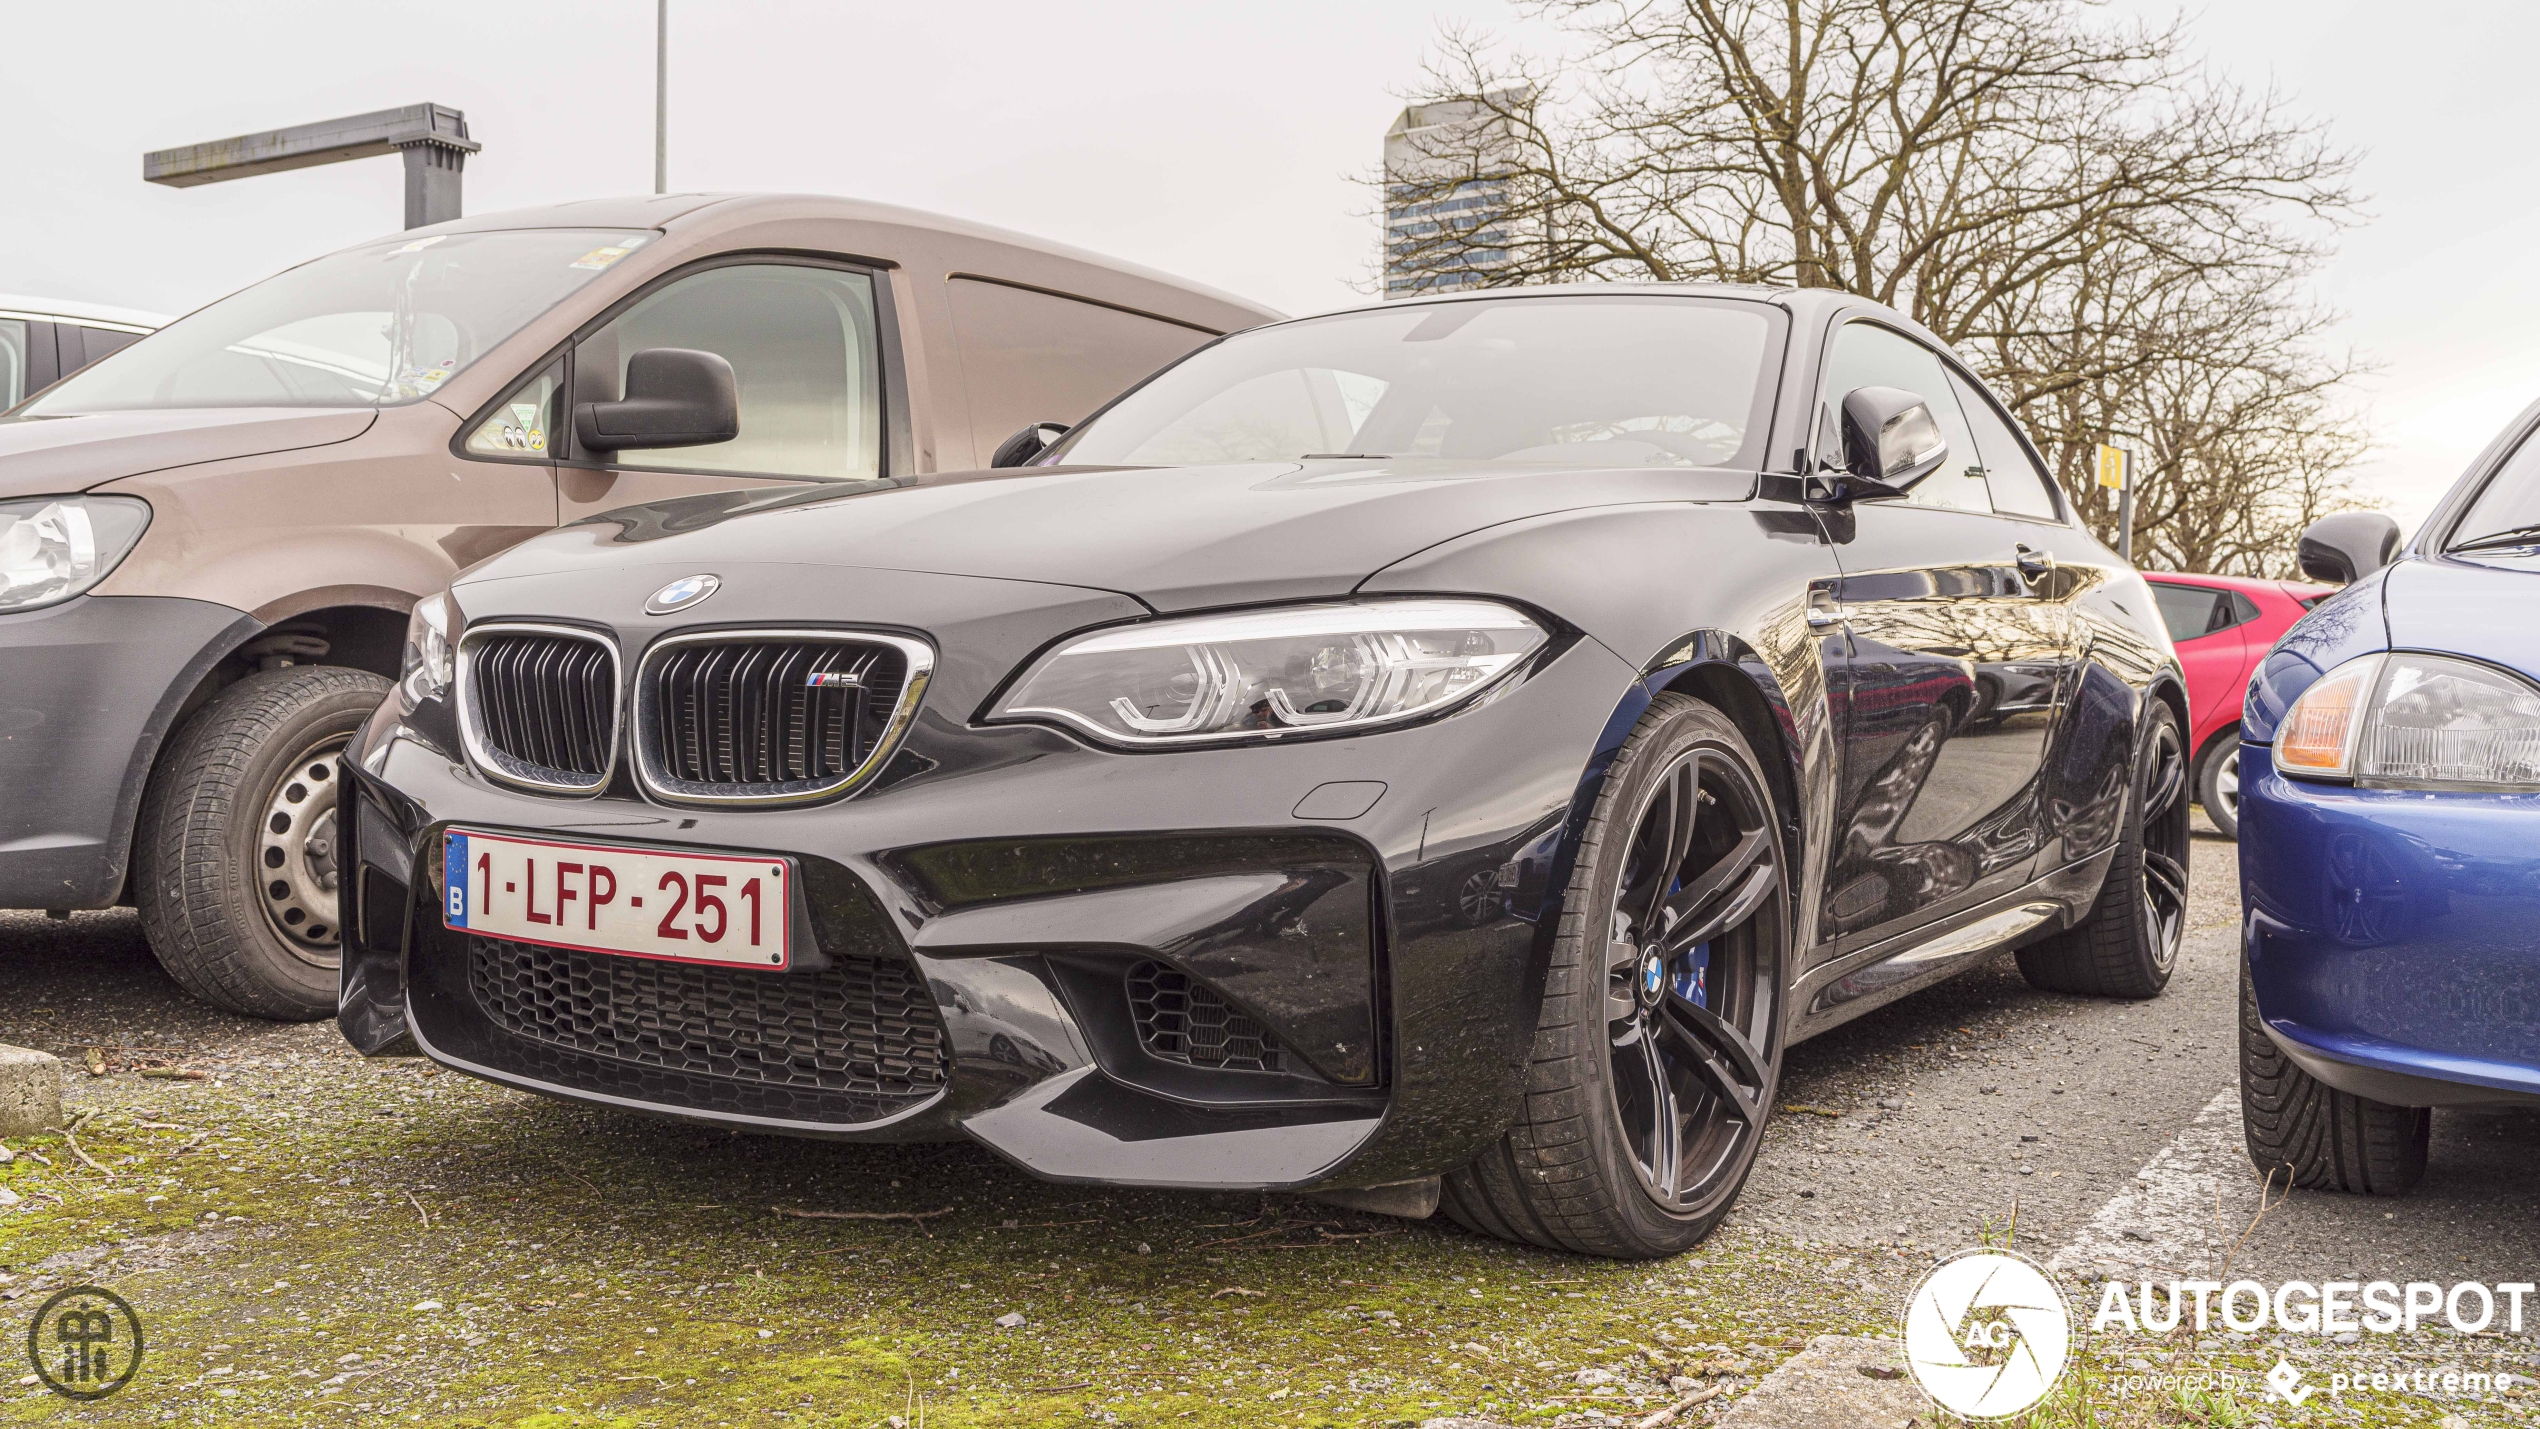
859, 1026
1182, 1020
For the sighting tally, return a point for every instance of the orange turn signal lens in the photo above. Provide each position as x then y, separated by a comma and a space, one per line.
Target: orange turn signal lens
2318, 733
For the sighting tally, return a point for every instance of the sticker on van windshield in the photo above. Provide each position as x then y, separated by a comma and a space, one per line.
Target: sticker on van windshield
601, 257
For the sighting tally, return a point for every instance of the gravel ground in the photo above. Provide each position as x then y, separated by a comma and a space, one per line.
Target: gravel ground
311, 1239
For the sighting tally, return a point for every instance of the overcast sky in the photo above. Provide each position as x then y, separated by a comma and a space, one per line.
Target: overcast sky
1222, 142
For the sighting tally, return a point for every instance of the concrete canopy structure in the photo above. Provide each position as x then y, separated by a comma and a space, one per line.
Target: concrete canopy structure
433, 137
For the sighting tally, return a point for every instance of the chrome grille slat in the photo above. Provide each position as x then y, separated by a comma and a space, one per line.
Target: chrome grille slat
539, 705
735, 716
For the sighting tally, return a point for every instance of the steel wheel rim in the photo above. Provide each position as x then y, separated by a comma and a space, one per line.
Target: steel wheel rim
2165, 837
297, 880
2227, 784
1693, 968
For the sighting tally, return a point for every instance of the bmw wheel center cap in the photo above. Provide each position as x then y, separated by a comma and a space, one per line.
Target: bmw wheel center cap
1653, 975
681, 594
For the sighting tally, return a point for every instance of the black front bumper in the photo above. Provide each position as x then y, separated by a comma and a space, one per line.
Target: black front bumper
1053, 901
88, 689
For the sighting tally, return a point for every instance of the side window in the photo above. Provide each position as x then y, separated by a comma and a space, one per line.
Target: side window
1866, 355
2018, 485
1029, 356
96, 342
12, 363
805, 350
2191, 610
2243, 609
519, 427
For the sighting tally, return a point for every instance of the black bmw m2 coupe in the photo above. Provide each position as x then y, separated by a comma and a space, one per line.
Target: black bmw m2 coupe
1439, 756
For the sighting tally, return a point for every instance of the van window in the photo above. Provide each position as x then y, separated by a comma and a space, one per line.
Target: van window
2011, 475
12, 362
805, 351
1030, 357
520, 426
1866, 355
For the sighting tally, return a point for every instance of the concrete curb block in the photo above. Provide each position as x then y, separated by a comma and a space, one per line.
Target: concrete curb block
30, 1090
1838, 1382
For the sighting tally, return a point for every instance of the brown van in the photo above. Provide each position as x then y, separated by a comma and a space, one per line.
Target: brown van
210, 542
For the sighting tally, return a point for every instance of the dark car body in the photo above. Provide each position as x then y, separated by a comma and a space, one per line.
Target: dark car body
2392, 927
1944, 700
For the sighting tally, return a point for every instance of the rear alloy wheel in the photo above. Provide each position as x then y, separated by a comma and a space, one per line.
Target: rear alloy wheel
2324, 1138
1659, 1044
235, 863
2127, 945
2218, 789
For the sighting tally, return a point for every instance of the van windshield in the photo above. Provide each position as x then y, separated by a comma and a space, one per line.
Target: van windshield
372, 326
1587, 380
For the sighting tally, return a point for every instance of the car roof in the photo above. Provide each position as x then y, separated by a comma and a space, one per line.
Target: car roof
2296, 589
700, 214
54, 309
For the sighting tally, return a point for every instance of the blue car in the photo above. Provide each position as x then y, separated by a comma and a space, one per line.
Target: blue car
2390, 836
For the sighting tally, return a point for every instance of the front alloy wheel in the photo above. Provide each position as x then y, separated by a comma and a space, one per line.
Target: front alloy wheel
1659, 1043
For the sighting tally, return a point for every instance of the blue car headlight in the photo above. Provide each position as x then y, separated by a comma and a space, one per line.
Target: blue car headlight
1264, 674
2415, 721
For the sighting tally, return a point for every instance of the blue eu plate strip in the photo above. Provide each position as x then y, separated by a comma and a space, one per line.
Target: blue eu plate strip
454, 874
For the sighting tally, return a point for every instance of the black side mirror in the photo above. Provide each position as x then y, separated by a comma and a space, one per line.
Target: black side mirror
675, 397
1889, 437
1027, 443
2348, 546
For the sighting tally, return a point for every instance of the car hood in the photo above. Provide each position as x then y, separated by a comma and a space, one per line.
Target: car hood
41, 456
2477, 605
1177, 538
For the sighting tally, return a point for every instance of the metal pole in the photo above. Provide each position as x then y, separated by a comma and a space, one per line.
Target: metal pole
2125, 512
661, 97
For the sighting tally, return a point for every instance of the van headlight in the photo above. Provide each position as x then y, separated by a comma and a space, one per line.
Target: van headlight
425, 672
1265, 674
2408, 720
55, 547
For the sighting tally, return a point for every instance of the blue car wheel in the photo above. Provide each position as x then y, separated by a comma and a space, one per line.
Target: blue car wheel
2324, 1138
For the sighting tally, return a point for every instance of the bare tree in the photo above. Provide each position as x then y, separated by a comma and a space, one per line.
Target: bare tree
2117, 240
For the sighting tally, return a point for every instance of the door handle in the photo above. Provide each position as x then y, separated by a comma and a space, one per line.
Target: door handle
1825, 613
2032, 563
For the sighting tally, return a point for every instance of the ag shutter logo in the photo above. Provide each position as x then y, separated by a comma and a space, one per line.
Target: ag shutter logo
1986, 1334
85, 1342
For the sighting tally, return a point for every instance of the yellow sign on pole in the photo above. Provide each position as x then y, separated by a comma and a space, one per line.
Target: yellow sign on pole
2113, 465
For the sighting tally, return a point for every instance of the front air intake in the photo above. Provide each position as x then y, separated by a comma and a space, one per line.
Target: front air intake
538, 705
1181, 1019
773, 716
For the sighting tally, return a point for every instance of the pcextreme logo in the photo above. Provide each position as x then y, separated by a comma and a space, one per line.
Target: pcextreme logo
1986, 1334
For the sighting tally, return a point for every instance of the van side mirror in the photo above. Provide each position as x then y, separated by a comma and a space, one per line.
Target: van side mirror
675, 397
1027, 443
2348, 546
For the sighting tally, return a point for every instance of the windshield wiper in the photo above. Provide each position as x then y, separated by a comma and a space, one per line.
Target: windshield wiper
2511, 536
1345, 456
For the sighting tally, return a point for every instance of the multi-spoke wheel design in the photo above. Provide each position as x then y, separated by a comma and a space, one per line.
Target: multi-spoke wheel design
2219, 790
1688, 1008
2127, 944
1659, 1042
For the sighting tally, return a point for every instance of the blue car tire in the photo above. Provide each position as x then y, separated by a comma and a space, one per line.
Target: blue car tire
2324, 1138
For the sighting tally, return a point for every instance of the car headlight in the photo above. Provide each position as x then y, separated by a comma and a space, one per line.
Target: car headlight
1264, 674
426, 669
55, 547
2411, 720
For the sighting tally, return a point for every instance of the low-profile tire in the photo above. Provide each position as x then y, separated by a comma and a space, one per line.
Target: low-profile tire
2218, 785
1659, 1043
2326, 1139
233, 861
2127, 945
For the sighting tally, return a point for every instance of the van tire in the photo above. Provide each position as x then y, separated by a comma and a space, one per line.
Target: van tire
256, 754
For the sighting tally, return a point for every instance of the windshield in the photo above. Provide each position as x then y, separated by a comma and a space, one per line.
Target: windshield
383, 323
1590, 380
2507, 511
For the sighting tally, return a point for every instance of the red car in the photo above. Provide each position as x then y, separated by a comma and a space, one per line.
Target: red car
2223, 626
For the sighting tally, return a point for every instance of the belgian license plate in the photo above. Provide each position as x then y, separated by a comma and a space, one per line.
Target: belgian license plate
601, 898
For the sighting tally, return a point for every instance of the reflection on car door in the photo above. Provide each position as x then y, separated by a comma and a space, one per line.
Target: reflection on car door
1953, 650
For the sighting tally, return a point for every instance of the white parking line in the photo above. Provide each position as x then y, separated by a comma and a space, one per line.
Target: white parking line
2183, 1209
